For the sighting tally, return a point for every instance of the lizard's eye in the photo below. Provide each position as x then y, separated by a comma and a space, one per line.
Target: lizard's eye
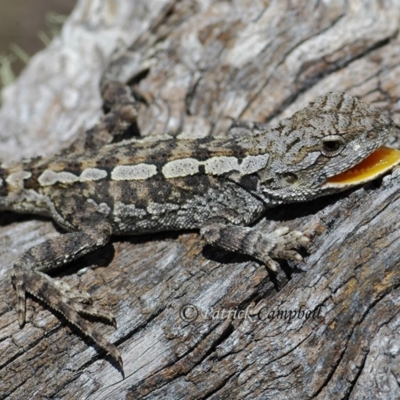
332, 145
290, 177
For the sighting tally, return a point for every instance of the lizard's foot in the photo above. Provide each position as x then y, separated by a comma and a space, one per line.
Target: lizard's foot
285, 243
66, 301
81, 302
73, 294
282, 243
56, 294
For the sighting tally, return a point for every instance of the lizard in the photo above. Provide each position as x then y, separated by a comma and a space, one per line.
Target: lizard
107, 185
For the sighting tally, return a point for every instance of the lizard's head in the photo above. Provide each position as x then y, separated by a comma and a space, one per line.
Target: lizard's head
331, 145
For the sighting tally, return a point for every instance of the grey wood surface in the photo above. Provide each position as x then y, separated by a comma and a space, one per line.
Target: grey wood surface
200, 65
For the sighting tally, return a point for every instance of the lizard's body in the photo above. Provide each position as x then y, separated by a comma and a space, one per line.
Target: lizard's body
156, 184
162, 193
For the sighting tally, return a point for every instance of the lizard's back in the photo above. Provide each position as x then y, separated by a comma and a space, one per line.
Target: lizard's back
147, 185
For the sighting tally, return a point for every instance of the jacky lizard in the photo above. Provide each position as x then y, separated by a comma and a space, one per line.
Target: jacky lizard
104, 185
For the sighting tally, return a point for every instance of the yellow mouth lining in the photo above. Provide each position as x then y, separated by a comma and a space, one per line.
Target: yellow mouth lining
376, 164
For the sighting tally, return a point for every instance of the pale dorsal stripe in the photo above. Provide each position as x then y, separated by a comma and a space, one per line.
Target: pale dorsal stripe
179, 168
133, 172
221, 165
214, 166
92, 174
173, 169
49, 177
252, 164
16, 179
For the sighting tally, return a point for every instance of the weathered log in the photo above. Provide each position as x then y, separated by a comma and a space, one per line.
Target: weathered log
201, 65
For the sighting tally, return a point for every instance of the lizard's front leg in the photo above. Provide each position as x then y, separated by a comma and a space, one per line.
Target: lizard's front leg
281, 243
28, 276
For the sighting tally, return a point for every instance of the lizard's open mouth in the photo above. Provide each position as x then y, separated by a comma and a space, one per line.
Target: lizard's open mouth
376, 164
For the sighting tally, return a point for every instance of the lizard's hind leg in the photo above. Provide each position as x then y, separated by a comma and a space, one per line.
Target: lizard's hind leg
28, 276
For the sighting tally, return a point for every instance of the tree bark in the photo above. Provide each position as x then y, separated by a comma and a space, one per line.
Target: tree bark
195, 322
